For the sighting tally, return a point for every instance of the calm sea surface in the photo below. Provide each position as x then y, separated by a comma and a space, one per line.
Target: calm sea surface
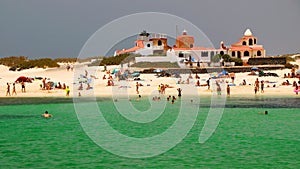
243, 139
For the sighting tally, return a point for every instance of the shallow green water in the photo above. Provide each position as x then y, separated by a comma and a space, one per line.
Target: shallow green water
243, 139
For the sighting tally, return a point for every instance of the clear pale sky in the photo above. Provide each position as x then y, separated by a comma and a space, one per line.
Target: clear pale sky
59, 28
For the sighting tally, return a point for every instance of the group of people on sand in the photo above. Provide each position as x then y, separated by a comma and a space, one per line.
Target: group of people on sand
258, 86
14, 92
47, 85
162, 88
291, 75
110, 81
69, 67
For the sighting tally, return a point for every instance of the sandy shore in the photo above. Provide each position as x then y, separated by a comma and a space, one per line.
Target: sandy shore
149, 83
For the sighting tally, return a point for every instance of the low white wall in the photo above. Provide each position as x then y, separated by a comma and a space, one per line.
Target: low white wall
155, 59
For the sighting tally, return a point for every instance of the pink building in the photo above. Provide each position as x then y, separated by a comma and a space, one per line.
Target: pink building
247, 47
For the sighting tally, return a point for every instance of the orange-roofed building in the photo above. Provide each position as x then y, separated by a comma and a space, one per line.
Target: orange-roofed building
147, 44
247, 47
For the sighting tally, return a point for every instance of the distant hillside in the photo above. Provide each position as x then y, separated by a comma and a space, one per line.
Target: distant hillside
22, 62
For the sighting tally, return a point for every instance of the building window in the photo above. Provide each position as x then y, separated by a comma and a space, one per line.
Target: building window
148, 45
181, 55
246, 53
250, 42
159, 43
244, 43
191, 45
204, 54
222, 53
254, 41
212, 53
259, 53
239, 54
233, 53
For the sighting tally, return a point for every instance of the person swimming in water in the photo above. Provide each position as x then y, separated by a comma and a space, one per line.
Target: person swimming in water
46, 115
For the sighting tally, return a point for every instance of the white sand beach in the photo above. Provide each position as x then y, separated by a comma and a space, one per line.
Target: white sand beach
149, 83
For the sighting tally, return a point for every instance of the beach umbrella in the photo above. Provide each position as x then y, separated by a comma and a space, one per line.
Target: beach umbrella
298, 72
23, 79
254, 68
224, 72
115, 71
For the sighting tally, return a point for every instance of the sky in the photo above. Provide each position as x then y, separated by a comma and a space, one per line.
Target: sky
61, 28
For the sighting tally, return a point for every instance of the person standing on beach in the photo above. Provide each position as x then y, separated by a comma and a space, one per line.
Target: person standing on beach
8, 90
23, 87
207, 82
14, 89
162, 88
257, 84
159, 89
255, 89
198, 83
296, 90
44, 83
232, 76
137, 88
67, 91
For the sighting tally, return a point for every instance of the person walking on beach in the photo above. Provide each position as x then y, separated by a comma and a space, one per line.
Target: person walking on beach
14, 89
228, 90
262, 85
8, 90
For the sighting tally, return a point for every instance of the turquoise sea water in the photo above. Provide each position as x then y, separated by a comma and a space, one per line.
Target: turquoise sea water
243, 139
